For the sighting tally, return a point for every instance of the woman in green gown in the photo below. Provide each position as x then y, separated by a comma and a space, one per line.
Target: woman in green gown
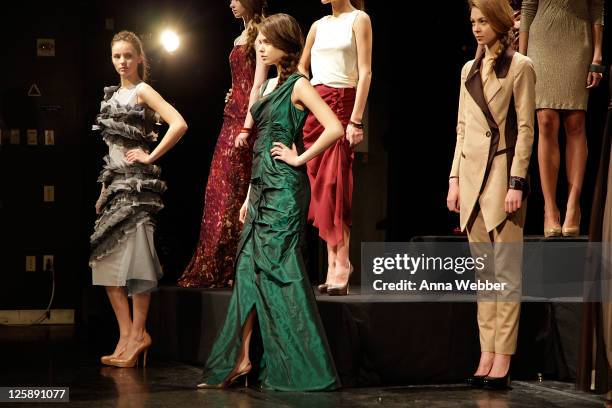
271, 282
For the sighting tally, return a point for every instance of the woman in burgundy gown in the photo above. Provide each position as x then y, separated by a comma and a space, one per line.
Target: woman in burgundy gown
212, 264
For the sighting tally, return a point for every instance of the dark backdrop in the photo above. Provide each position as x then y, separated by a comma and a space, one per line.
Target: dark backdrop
419, 49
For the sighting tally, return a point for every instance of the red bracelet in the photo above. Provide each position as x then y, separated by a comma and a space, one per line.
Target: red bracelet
246, 130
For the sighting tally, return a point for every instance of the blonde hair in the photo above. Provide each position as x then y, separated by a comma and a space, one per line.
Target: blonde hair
499, 15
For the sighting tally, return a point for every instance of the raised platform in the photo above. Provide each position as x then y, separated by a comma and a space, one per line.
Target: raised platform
380, 343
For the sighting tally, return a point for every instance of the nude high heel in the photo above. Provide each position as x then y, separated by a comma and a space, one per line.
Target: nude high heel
132, 360
341, 290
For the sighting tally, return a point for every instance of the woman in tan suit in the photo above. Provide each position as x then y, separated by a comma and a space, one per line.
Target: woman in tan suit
489, 177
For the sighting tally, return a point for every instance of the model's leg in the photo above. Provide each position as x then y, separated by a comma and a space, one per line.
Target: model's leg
480, 245
575, 157
548, 161
121, 307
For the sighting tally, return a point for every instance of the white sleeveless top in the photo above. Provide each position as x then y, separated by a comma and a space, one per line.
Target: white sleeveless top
334, 53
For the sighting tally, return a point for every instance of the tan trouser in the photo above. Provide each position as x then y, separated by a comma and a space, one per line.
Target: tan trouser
498, 312
606, 271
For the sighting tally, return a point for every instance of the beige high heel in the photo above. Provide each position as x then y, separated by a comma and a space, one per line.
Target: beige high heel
322, 288
572, 231
341, 290
554, 231
132, 361
106, 360
229, 381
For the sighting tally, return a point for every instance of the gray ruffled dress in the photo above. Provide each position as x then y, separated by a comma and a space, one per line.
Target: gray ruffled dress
123, 251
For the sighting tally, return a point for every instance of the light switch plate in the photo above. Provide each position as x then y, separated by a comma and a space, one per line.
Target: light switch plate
49, 137
15, 136
30, 265
48, 263
49, 194
32, 136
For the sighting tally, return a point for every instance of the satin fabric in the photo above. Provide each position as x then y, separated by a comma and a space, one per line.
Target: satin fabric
270, 273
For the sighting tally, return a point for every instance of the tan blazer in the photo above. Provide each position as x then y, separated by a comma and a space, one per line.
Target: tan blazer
485, 119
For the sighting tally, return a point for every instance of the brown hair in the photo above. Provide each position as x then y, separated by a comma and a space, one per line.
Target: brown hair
130, 37
256, 13
284, 33
499, 15
358, 4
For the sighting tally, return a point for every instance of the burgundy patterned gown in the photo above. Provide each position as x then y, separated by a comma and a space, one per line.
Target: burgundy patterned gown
212, 264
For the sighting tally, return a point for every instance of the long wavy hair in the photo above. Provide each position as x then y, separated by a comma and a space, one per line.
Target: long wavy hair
256, 13
130, 37
358, 4
499, 14
284, 33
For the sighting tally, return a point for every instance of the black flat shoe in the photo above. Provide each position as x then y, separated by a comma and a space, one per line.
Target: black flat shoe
497, 383
475, 381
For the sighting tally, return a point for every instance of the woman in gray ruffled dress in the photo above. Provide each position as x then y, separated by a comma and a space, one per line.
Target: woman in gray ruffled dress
123, 257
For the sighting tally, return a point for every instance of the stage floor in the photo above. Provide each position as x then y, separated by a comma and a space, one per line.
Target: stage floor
380, 343
59, 356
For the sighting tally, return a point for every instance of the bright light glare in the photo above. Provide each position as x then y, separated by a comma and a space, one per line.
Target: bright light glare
170, 40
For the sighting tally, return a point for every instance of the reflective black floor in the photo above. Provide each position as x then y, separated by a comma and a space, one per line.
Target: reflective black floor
52, 356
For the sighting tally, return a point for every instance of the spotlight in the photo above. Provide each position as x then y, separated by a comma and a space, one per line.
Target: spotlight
170, 40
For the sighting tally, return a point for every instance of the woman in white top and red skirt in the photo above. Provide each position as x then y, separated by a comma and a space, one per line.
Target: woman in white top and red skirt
338, 51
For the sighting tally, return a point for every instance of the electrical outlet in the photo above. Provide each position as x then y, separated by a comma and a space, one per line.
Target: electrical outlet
49, 194
48, 263
30, 265
45, 47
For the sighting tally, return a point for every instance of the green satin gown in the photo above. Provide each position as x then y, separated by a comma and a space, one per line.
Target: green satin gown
270, 272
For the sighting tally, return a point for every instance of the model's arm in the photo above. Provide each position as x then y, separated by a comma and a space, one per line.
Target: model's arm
452, 199
304, 65
261, 73
597, 17
363, 39
524, 103
176, 126
529, 8
245, 207
305, 96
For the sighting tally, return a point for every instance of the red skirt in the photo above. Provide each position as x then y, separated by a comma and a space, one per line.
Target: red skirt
331, 172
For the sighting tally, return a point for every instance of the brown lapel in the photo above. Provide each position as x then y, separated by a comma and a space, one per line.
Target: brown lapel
473, 84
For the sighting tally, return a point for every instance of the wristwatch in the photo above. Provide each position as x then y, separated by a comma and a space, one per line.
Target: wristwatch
516, 183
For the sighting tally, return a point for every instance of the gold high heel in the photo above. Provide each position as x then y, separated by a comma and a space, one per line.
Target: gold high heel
340, 290
229, 381
133, 360
570, 231
552, 231
573, 231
